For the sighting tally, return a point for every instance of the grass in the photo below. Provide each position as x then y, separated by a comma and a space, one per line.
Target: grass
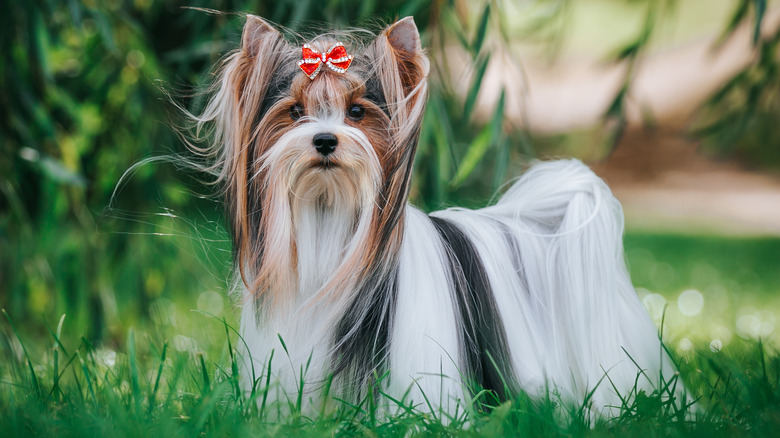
178, 374
714, 289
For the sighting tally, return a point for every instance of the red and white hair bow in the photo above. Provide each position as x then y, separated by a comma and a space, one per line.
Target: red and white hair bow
336, 58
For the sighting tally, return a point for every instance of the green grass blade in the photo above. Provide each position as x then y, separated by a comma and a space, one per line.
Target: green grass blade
267, 384
153, 395
134, 381
204, 374
58, 335
55, 388
326, 395
233, 365
33, 377
240, 337
88, 378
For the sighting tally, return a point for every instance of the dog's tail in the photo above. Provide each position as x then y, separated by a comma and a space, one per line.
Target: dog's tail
595, 333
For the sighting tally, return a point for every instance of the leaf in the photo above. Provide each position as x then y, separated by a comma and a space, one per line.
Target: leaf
479, 38
474, 155
760, 6
736, 17
615, 109
481, 143
476, 85
628, 51
497, 122
452, 23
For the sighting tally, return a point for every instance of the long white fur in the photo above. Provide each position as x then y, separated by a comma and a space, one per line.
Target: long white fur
551, 248
572, 318
325, 215
574, 322
424, 343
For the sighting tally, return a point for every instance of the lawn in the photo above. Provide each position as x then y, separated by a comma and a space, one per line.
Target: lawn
174, 373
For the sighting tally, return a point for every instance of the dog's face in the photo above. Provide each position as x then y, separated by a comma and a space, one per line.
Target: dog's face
323, 139
291, 147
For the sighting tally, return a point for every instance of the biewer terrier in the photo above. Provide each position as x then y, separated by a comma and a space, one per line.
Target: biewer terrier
349, 290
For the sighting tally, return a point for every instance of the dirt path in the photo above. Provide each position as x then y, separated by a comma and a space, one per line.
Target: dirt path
665, 184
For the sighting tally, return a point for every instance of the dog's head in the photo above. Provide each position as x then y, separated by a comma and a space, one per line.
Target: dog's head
289, 146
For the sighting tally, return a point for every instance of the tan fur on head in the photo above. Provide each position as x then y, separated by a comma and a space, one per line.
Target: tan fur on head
264, 161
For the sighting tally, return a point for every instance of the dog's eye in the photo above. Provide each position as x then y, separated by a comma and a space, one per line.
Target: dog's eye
356, 112
296, 111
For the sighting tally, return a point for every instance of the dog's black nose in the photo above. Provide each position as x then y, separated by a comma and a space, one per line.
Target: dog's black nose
325, 143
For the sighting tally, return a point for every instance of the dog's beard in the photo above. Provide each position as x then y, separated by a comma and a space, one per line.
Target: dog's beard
318, 209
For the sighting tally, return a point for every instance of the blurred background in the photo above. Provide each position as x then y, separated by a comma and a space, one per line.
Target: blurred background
675, 103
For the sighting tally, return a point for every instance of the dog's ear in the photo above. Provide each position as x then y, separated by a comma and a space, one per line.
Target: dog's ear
403, 40
256, 32
235, 108
404, 37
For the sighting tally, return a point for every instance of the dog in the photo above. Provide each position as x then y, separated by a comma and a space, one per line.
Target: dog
348, 292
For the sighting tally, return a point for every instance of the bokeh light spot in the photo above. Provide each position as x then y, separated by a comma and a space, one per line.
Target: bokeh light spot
722, 334
690, 302
655, 303
752, 323
210, 302
685, 344
748, 326
716, 345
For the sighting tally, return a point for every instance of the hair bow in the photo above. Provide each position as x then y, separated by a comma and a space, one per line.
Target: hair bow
336, 58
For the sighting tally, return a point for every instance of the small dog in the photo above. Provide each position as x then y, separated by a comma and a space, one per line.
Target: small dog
349, 289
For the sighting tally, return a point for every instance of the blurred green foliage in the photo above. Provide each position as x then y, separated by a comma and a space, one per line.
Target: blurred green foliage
85, 95
740, 120
83, 105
